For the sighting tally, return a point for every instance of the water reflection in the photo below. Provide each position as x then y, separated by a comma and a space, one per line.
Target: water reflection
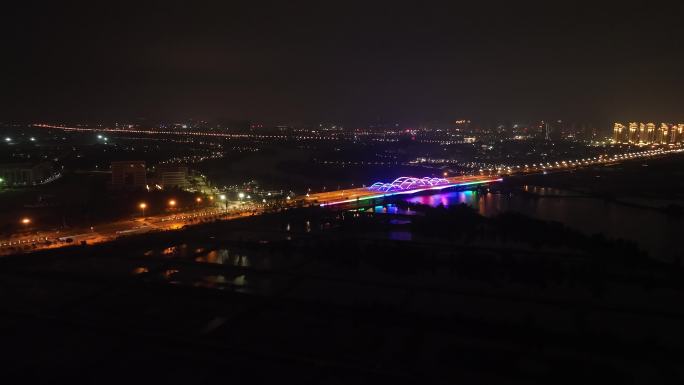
446, 199
389, 209
224, 257
654, 231
400, 235
220, 281
169, 273
140, 270
175, 251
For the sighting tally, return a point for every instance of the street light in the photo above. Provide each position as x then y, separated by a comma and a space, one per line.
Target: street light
198, 200
223, 198
143, 206
172, 203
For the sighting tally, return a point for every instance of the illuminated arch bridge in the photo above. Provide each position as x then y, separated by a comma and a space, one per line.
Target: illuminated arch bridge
405, 183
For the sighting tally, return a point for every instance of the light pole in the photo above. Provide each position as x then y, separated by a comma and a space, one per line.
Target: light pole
172, 203
223, 198
25, 222
143, 206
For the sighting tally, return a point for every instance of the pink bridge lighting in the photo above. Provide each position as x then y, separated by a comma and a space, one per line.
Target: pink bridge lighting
408, 183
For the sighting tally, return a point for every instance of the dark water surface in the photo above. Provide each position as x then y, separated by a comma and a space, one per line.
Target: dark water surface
659, 234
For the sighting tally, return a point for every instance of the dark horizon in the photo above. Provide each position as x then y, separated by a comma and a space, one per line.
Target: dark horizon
353, 64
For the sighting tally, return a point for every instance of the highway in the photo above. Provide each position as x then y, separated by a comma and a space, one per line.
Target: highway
109, 231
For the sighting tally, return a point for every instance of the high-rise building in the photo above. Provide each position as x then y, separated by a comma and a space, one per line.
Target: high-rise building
620, 134
650, 132
647, 133
129, 175
633, 133
677, 135
663, 133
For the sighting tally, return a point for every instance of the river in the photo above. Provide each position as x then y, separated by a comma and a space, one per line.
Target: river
658, 234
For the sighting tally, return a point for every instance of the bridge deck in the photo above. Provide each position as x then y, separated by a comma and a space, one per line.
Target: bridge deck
360, 194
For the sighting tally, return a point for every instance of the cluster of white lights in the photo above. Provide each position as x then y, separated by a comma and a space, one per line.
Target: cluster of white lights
580, 162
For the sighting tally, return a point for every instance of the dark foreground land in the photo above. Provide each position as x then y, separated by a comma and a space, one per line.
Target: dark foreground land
311, 297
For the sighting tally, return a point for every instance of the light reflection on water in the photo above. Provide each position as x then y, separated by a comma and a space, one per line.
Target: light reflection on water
391, 209
654, 231
218, 281
224, 257
400, 235
446, 199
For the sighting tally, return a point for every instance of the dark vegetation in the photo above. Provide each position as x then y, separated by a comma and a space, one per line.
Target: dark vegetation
327, 298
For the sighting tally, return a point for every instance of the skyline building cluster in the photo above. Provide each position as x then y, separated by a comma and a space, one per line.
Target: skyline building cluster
648, 133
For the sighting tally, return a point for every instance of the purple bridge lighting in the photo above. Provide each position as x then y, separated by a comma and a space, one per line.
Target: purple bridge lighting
405, 183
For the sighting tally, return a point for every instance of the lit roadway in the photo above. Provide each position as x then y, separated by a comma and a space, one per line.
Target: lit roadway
110, 231
113, 230
361, 194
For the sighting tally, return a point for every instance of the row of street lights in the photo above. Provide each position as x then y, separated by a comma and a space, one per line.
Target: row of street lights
172, 203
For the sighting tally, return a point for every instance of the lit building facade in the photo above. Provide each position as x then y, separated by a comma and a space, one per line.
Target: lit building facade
620, 133
633, 133
648, 133
663, 133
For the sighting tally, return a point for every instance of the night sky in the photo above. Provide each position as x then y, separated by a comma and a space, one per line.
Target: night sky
342, 61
